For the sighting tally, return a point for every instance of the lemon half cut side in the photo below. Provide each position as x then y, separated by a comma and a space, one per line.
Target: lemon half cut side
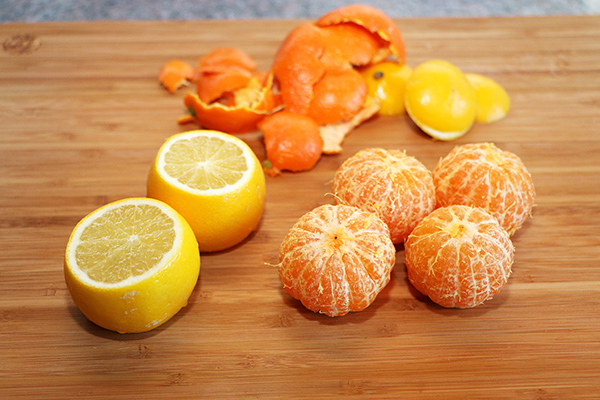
215, 181
132, 264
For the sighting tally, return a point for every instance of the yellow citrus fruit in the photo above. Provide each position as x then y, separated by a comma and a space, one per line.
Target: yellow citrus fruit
214, 181
386, 82
440, 100
131, 264
493, 102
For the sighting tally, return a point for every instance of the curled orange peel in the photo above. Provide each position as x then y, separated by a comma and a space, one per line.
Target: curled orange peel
315, 65
292, 141
175, 74
227, 57
373, 20
213, 83
244, 109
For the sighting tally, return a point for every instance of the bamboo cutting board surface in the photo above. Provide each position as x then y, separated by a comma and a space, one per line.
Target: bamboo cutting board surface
81, 118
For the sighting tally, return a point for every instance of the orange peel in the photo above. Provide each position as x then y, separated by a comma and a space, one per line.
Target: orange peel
298, 68
292, 141
246, 107
353, 43
228, 56
175, 74
373, 20
333, 135
214, 82
315, 68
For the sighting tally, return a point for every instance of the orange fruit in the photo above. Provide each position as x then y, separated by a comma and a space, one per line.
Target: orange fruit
390, 183
336, 259
292, 141
482, 175
175, 74
459, 256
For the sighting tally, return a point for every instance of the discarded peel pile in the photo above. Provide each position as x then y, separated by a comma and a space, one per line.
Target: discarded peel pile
314, 74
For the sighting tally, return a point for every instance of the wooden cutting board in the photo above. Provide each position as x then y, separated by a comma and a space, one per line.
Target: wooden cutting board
82, 116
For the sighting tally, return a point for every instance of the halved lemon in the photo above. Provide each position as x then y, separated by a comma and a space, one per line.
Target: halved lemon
131, 265
215, 181
440, 100
493, 102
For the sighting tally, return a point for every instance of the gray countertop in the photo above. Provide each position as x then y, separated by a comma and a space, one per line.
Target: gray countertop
89, 10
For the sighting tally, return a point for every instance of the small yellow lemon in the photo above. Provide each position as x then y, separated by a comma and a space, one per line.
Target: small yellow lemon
493, 102
386, 82
215, 181
440, 100
131, 265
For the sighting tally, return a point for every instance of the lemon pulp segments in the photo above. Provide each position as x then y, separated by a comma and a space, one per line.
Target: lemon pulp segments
123, 243
132, 264
215, 181
205, 163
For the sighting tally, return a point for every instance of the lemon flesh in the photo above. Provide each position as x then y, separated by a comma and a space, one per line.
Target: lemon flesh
214, 181
440, 100
131, 265
493, 102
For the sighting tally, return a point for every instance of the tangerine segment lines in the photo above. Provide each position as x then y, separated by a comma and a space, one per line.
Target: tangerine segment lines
336, 259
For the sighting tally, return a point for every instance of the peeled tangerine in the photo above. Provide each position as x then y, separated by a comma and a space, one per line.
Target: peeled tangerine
336, 259
390, 183
440, 100
482, 175
459, 256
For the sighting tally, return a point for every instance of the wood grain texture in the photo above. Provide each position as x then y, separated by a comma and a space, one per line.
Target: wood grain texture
81, 119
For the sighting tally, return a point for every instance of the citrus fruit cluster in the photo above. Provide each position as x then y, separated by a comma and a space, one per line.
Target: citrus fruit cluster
440, 99
455, 223
132, 264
